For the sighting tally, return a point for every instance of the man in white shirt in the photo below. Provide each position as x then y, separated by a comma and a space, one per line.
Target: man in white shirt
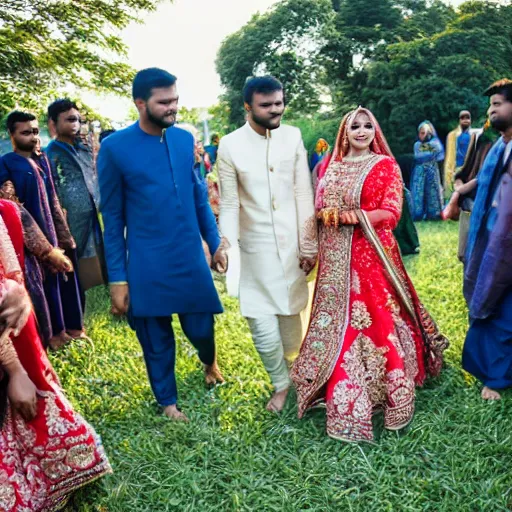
267, 211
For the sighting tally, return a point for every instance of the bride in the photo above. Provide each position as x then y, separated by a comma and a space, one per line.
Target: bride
370, 341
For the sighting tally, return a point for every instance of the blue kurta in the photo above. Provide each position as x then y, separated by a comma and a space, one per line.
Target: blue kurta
463, 141
487, 352
39, 199
148, 186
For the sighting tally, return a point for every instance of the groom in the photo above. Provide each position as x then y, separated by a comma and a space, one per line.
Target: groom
149, 188
267, 210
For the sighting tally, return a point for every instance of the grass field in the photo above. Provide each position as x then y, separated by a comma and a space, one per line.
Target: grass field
233, 456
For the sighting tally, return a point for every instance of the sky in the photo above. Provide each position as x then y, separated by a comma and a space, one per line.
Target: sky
182, 37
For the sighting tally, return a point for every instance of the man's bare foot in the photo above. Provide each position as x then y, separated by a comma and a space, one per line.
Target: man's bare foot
59, 341
172, 412
490, 394
79, 335
451, 211
76, 333
276, 403
212, 375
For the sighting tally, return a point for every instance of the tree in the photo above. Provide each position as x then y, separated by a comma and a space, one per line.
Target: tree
44, 45
407, 60
283, 41
191, 116
219, 118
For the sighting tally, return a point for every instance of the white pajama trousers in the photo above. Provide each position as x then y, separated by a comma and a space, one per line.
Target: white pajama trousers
277, 339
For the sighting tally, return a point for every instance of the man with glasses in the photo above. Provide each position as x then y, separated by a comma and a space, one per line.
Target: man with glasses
25, 176
77, 187
457, 144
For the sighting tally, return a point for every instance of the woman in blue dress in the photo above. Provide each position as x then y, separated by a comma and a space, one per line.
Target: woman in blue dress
426, 182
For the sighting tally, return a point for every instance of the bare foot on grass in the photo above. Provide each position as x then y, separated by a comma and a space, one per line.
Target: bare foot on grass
490, 394
277, 401
59, 341
172, 412
212, 375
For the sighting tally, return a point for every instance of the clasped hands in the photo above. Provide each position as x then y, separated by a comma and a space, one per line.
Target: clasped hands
58, 261
335, 216
219, 262
307, 264
220, 259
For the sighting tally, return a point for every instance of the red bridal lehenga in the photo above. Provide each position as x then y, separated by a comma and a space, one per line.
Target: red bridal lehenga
370, 341
44, 460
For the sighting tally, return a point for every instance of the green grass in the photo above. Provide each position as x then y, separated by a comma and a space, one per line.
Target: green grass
234, 456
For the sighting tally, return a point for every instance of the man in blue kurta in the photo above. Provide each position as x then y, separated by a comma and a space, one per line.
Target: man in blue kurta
149, 189
487, 350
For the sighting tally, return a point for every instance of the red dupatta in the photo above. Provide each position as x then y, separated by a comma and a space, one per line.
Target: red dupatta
322, 345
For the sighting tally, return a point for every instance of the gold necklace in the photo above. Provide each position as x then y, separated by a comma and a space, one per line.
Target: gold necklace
359, 158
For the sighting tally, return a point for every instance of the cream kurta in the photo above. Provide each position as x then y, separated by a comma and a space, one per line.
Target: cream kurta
267, 209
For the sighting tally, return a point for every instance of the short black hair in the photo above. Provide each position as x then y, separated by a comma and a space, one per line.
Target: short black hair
104, 134
260, 85
148, 79
17, 116
503, 87
59, 106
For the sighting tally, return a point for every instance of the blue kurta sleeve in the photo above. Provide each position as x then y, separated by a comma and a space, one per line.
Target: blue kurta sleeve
205, 217
4, 172
495, 275
112, 210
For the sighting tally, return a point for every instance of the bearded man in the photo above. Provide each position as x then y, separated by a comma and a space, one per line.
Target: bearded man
149, 189
487, 352
26, 177
267, 210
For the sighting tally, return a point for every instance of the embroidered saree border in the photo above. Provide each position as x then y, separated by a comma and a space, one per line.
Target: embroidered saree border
394, 276
435, 341
323, 343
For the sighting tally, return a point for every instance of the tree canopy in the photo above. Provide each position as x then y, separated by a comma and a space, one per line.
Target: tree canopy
407, 60
277, 42
45, 45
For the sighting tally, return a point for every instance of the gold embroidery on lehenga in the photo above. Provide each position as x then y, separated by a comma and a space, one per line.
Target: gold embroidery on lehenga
356, 283
403, 340
365, 365
68, 459
356, 397
349, 415
330, 313
56, 423
53, 464
360, 318
80, 456
400, 407
7, 492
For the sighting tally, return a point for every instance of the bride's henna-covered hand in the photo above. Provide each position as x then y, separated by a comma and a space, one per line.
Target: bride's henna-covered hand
349, 217
379, 216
